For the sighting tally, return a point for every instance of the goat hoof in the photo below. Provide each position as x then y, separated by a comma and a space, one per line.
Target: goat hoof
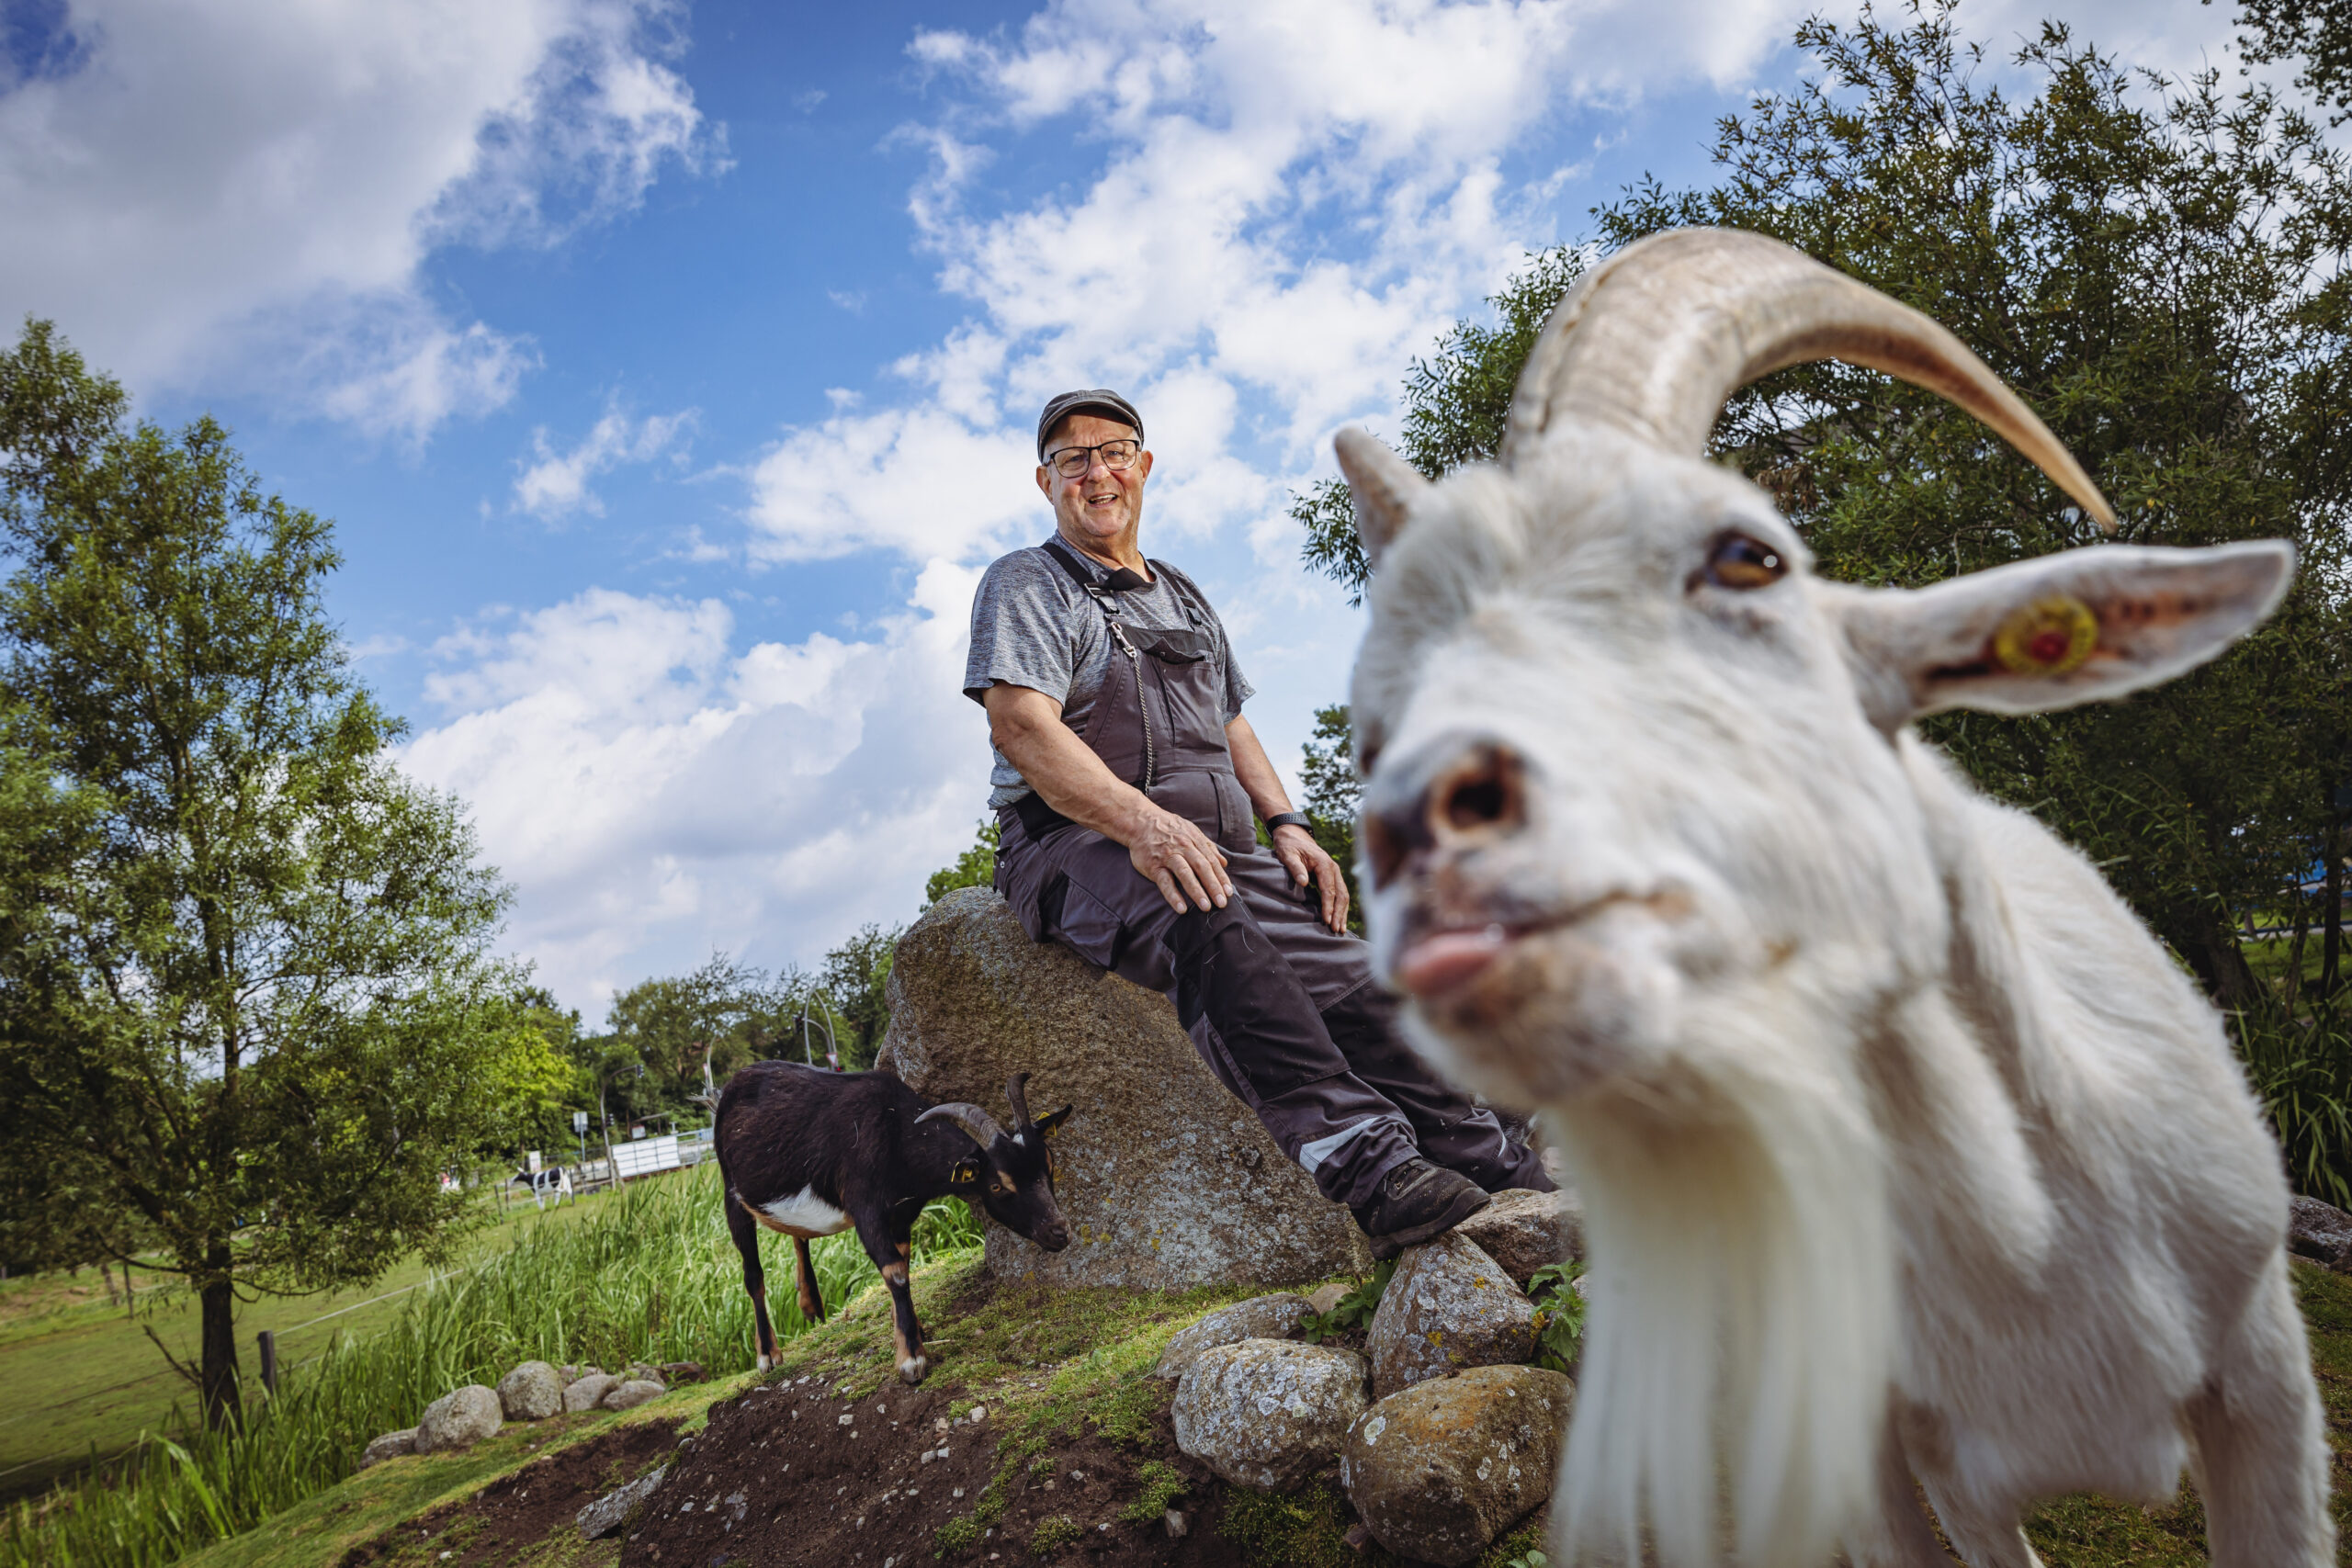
766, 1362
912, 1369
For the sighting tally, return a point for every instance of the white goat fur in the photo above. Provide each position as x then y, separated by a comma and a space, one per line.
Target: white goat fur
1905, 1150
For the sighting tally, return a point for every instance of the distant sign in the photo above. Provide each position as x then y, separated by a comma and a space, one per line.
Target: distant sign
580, 1120
531, 1162
644, 1159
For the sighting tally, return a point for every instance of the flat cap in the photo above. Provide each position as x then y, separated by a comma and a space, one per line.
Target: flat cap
1095, 400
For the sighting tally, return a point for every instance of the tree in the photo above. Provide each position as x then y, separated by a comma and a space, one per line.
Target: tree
246, 995
2158, 270
2318, 31
857, 975
1327, 770
675, 1026
976, 867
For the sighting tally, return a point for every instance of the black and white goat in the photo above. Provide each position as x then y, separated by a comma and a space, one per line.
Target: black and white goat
810, 1153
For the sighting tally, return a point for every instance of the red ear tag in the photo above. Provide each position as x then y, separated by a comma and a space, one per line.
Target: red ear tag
2049, 636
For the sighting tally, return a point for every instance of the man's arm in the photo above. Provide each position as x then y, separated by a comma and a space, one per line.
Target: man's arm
1171, 853
1294, 845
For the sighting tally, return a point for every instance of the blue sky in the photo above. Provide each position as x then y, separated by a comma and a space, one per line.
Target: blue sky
668, 368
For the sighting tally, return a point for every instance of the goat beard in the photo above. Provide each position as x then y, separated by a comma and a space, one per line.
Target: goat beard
1743, 1322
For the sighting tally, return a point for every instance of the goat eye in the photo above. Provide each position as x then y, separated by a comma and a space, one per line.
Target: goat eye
1738, 561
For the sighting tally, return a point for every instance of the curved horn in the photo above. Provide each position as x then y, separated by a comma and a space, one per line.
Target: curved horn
1658, 337
978, 1124
1015, 1091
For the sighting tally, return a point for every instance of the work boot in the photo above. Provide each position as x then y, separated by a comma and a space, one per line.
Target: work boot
1416, 1201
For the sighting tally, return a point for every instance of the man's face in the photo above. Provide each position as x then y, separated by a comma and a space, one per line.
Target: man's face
1101, 506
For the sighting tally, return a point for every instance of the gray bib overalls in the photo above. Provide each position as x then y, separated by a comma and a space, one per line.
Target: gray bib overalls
1282, 1009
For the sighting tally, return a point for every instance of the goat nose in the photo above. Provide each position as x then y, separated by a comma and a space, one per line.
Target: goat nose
1478, 795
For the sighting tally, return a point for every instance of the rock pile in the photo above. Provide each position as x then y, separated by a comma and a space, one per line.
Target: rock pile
1445, 1439
532, 1391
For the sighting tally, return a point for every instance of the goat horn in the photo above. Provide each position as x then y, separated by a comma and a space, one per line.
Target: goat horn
1658, 337
1015, 1091
978, 1124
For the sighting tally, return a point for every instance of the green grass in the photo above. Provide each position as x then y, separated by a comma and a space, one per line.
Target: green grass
649, 1275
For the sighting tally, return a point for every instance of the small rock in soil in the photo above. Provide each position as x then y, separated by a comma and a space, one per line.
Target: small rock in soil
1323, 1298
1441, 1470
1266, 1413
1447, 1308
460, 1419
588, 1392
532, 1392
611, 1514
1523, 1231
1260, 1317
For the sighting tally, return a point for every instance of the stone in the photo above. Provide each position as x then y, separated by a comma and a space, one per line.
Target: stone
632, 1393
391, 1445
1447, 1308
1260, 1317
589, 1392
1267, 1414
1440, 1470
532, 1392
675, 1373
1323, 1298
2319, 1231
460, 1419
615, 1511
1523, 1231
1166, 1180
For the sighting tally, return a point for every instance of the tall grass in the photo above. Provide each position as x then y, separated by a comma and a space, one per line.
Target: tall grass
2301, 1065
652, 1277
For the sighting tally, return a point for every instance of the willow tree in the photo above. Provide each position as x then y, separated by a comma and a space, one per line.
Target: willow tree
246, 993
2157, 268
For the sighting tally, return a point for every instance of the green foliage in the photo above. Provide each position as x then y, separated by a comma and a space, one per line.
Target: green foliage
1354, 1310
1328, 773
2301, 1071
677, 1025
252, 998
1305, 1529
1162, 1489
976, 867
653, 1276
1559, 1314
2319, 32
857, 975
1054, 1532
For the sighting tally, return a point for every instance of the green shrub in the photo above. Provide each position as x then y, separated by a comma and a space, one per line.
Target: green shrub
1354, 1310
1161, 1487
1559, 1315
2301, 1067
1054, 1532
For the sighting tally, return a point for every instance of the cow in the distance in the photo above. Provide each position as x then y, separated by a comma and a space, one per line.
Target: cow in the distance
810, 1153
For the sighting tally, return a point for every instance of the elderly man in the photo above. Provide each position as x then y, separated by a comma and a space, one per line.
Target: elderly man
1126, 782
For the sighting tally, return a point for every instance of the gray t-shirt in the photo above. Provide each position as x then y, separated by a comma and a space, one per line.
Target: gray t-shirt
1033, 626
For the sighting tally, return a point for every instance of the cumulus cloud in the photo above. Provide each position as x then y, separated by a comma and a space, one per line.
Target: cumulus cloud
243, 192
654, 793
555, 484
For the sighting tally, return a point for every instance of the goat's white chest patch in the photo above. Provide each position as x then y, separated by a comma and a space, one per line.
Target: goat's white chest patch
804, 1214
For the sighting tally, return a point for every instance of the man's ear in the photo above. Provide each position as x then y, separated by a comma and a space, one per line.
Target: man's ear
1384, 486
2073, 628
966, 1173
1045, 1124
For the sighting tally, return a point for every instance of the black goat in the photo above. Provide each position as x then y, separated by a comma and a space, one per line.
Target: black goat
811, 1153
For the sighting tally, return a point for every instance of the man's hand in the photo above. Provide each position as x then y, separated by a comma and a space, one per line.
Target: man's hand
1180, 859
1303, 858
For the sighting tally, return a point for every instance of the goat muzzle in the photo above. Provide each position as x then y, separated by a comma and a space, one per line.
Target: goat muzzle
1475, 799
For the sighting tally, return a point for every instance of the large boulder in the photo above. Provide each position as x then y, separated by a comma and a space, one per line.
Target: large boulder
1166, 1180
1260, 1317
1525, 1231
460, 1419
1441, 1470
1267, 1414
532, 1392
1447, 1308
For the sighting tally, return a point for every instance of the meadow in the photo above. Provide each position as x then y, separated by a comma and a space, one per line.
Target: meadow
647, 1274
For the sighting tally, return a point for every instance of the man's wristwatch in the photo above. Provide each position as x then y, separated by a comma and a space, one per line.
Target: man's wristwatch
1289, 819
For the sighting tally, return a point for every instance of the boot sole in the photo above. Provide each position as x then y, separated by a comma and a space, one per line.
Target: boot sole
1472, 1200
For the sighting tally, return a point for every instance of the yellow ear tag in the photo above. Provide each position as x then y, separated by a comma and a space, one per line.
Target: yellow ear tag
2049, 636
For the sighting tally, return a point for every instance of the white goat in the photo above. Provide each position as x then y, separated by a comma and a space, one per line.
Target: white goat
1906, 1151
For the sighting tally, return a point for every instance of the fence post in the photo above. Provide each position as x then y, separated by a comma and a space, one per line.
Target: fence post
269, 1360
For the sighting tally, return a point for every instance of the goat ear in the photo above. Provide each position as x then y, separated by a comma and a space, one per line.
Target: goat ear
1384, 486
2073, 628
966, 1174
1045, 1124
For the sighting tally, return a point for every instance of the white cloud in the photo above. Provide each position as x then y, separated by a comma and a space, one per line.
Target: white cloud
555, 484
654, 795
205, 182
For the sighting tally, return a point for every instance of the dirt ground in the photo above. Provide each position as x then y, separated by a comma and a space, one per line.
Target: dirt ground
796, 1476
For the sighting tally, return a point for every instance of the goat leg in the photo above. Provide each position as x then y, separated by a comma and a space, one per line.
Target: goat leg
745, 1233
812, 1300
890, 1255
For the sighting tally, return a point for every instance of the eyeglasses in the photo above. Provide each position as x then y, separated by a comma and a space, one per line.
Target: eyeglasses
1072, 461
